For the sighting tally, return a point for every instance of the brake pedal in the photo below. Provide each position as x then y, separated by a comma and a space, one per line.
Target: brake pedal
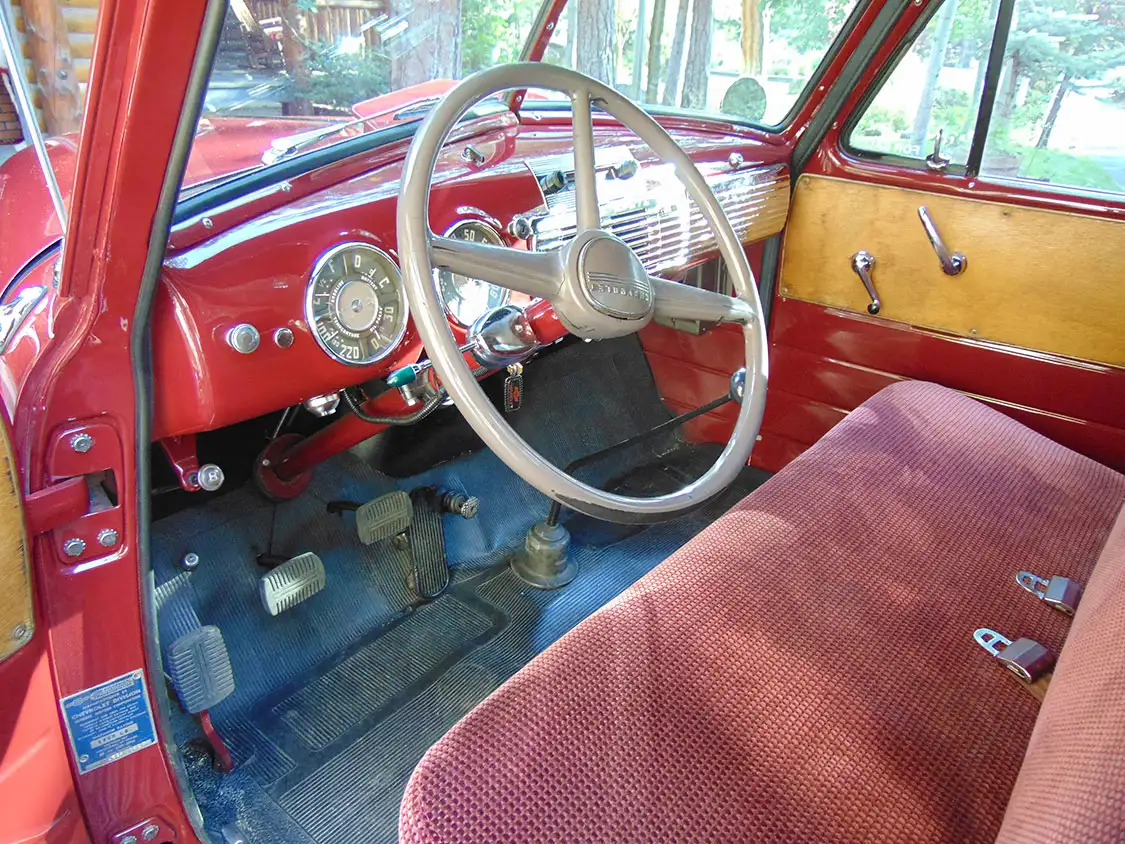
292, 582
201, 674
384, 517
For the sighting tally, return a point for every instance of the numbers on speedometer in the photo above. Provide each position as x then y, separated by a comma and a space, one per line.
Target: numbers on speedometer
355, 305
467, 298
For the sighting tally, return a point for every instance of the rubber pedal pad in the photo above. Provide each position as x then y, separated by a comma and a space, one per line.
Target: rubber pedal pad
427, 549
199, 667
384, 517
291, 583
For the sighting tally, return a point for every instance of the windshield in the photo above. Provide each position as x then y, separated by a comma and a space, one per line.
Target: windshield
292, 75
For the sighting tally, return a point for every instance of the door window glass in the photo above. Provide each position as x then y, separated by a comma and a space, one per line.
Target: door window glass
936, 86
1059, 114
1060, 105
743, 59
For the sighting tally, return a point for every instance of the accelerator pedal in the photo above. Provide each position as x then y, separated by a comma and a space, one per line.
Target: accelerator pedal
384, 517
201, 674
292, 582
427, 545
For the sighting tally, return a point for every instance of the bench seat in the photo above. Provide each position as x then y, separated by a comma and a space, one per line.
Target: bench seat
804, 669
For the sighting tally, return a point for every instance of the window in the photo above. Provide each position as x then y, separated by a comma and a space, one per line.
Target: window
1059, 112
935, 87
296, 75
742, 59
1060, 105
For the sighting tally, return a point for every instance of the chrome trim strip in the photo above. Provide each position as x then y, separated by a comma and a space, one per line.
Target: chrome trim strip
15, 312
658, 221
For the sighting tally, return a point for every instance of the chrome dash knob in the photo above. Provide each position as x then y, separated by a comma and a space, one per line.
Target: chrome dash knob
244, 338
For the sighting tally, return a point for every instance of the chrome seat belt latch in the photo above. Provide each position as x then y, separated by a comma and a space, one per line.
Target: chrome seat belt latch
1025, 658
1061, 593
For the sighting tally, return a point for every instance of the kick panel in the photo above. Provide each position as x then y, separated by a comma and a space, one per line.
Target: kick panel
1036, 279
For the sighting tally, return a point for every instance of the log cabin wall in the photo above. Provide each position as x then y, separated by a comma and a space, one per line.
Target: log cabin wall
10, 132
57, 40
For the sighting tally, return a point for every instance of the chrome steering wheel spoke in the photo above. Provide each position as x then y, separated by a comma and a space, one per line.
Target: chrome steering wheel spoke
538, 274
585, 163
676, 300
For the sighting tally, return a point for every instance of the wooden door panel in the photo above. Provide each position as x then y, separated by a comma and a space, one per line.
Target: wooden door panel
1036, 279
16, 620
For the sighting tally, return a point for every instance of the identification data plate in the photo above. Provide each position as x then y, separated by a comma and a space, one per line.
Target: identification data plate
109, 721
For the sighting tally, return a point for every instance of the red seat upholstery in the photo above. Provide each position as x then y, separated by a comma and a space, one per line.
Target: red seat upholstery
1072, 783
804, 669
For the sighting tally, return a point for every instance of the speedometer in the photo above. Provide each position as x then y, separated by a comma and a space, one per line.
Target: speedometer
355, 305
466, 298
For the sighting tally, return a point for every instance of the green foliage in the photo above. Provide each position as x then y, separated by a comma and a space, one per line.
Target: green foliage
1062, 168
342, 80
1082, 40
952, 110
493, 32
807, 25
879, 121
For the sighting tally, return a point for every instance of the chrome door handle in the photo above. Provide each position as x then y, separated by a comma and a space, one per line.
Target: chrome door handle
863, 262
952, 263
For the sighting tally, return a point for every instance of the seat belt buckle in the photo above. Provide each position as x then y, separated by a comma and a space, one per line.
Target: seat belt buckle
1025, 658
1061, 593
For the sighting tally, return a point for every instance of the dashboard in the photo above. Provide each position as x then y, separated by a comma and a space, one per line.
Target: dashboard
295, 292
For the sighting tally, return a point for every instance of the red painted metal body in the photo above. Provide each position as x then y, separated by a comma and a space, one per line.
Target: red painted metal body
69, 366
73, 363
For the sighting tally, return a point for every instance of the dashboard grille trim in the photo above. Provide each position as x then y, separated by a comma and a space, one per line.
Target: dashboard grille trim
660, 223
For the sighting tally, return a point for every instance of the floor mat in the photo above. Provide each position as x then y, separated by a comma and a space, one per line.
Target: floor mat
338, 699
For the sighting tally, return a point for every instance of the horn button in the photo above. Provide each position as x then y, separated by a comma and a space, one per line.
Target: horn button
613, 279
610, 291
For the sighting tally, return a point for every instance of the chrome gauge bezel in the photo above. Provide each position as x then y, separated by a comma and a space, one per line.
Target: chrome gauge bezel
495, 238
392, 272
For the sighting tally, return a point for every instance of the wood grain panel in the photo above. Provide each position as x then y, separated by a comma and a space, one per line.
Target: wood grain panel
15, 584
1036, 279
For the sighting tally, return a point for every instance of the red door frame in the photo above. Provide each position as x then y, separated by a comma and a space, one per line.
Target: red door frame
90, 614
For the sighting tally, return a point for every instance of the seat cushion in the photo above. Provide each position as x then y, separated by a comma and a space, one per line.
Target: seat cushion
804, 669
1072, 783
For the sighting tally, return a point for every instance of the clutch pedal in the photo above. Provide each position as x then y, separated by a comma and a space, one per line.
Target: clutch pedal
201, 674
292, 582
384, 517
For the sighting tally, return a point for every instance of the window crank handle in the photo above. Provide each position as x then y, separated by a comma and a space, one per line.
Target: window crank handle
952, 263
863, 262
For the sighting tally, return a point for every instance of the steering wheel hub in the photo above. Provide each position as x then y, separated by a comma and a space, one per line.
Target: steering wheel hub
613, 279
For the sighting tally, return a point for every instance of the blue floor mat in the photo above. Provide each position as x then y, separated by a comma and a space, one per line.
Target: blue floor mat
337, 699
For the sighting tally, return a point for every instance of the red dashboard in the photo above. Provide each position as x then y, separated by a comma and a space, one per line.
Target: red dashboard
250, 263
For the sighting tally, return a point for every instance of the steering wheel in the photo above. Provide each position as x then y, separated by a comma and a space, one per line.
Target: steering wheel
596, 284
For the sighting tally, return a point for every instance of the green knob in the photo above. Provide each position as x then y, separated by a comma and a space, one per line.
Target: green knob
403, 376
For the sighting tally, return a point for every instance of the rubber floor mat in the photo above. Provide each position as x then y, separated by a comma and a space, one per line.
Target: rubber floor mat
327, 757
337, 699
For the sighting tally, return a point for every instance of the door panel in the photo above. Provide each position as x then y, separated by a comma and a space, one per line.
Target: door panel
1035, 279
825, 361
